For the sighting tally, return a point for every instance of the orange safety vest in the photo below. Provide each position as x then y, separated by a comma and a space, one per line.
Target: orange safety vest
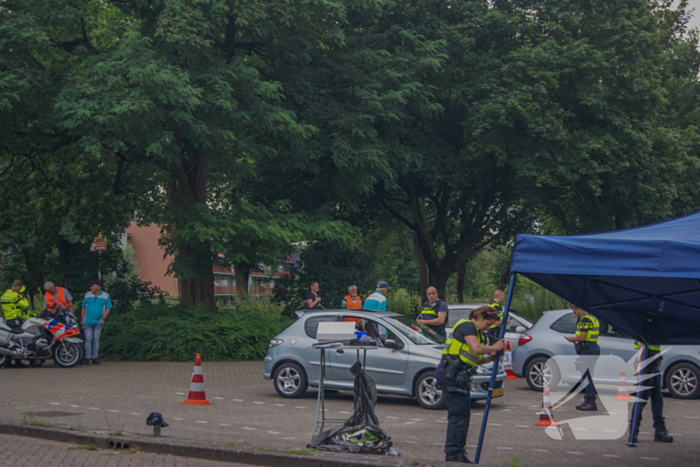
61, 299
353, 303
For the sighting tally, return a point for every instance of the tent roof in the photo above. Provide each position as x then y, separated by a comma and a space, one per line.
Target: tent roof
644, 281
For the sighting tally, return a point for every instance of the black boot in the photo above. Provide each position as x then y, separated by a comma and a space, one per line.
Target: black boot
458, 457
582, 404
661, 433
636, 433
589, 406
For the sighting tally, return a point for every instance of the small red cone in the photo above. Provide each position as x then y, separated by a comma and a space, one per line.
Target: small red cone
546, 418
197, 396
508, 362
622, 392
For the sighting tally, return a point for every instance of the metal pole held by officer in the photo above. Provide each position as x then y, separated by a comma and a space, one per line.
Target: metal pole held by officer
464, 351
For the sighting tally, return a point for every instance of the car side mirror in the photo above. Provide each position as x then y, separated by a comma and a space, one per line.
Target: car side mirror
392, 344
520, 329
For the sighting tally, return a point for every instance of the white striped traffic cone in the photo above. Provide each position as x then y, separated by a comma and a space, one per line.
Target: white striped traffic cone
197, 396
546, 418
622, 393
508, 363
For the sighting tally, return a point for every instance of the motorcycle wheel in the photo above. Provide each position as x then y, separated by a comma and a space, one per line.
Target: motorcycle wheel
67, 356
4, 360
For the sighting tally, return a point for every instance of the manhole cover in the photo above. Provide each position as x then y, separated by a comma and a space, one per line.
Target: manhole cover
55, 413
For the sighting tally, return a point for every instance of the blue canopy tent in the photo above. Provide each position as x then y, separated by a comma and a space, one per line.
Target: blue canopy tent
644, 281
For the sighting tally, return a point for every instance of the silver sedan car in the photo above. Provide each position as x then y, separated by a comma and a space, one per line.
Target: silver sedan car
404, 363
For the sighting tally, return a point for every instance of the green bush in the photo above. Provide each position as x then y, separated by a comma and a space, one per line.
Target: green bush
404, 301
176, 333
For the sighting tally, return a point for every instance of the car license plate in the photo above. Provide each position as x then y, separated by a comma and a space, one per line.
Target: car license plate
497, 392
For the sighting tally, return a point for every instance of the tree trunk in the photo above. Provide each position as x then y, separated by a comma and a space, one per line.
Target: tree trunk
422, 269
459, 281
242, 274
438, 279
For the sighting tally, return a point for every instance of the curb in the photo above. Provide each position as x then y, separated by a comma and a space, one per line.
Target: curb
213, 452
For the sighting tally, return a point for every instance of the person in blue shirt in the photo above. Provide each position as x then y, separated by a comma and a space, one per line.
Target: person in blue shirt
377, 300
96, 307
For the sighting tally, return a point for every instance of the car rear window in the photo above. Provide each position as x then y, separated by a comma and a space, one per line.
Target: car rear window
311, 324
455, 315
566, 324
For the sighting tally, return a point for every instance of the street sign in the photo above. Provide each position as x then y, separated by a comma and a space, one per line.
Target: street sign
98, 244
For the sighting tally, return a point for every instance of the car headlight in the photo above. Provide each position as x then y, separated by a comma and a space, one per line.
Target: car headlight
274, 343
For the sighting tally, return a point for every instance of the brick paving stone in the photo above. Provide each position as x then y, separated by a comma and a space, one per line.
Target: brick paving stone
21, 451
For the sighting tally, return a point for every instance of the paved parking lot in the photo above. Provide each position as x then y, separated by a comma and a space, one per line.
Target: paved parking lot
117, 396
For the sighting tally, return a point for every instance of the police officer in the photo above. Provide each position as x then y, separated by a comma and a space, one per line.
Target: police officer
464, 351
651, 366
586, 343
496, 304
14, 305
434, 312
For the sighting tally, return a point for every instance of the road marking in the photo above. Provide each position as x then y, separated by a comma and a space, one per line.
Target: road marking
393, 418
505, 448
511, 407
676, 434
650, 458
439, 444
691, 418
440, 421
219, 398
610, 455
55, 403
200, 421
134, 413
77, 407
522, 426
494, 424
478, 414
506, 410
299, 407
411, 442
181, 419
289, 437
273, 433
248, 428
93, 408
259, 403
237, 400
113, 411
345, 413
574, 453
224, 424
410, 423
416, 420
180, 393
538, 450
282, 405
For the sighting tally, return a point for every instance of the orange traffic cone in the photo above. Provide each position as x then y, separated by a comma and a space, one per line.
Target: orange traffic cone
197, 396
622, 392
546, 418
508, 362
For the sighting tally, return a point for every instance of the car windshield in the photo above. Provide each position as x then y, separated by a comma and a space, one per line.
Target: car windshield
416, 332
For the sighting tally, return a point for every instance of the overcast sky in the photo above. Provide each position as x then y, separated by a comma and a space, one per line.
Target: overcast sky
695, 21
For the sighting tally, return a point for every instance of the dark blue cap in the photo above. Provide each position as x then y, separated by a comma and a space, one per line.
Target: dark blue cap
383, 285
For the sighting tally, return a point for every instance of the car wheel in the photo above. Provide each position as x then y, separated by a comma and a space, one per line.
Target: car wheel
682, 380
290, 380
541, 372
428, 392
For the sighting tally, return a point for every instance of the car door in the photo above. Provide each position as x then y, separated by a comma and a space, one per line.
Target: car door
387, 367
311, 356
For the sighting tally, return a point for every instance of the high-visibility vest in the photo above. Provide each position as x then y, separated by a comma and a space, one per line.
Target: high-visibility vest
353, 303
13, 305
653, 348
456, 348
499, 310
60, 299
591, 332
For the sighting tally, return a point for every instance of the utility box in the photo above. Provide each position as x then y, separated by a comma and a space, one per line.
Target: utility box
335, 331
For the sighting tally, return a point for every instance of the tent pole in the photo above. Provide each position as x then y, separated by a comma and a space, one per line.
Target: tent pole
637, 400
494, 372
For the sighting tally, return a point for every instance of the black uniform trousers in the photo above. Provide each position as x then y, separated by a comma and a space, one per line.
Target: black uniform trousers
590, 354
657, 399
458, 412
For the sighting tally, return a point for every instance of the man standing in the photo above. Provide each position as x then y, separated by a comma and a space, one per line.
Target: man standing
56, 296
352, 301
313, 299
586, 343
496, 304
14, 305
96, 307
434, 313
377, 301
651, 367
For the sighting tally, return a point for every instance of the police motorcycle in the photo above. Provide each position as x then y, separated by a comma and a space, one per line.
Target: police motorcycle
52, 334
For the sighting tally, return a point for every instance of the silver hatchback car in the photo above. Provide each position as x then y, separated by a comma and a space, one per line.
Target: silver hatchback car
404, 364
680, 367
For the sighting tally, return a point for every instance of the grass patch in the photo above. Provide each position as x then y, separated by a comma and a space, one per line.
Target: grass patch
28, 419
76, 428
238, 444
134, 450
513, 462
114, 433
85, 448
